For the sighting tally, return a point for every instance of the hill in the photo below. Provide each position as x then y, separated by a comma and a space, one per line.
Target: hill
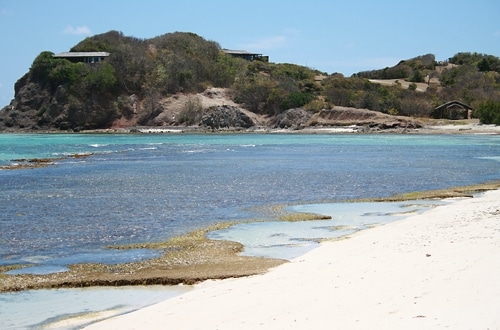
181, 79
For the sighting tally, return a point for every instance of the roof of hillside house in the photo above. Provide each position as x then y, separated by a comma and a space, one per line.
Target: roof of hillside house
238, 52
454, 102
82, 54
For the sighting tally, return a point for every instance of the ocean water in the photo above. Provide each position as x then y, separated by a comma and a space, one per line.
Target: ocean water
75, 308
144, 188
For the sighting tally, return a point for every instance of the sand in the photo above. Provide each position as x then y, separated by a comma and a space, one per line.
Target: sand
436, 270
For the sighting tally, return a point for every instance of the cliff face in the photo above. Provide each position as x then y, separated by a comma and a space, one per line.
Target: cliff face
22, 110
38, 108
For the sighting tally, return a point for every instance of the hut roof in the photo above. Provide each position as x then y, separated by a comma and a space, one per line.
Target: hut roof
454, 102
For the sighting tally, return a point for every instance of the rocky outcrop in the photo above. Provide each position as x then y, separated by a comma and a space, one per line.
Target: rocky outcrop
225, 116
344, 116
37, 108
293, 118
23, 111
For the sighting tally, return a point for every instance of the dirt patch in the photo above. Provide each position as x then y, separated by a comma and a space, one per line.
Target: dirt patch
211, 97
421, 87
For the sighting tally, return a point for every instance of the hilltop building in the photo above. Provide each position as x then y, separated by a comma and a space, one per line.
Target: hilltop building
85, 57
246, 55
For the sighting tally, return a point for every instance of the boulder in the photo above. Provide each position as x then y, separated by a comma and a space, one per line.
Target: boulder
225, 116
292, 118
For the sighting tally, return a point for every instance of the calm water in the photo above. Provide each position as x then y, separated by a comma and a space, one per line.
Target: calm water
141, 188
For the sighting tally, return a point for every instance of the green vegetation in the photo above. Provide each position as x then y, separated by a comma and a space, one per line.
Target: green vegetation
87, 96
488, 112
191, 112
360, 93
269, 88
482, 62
413, 70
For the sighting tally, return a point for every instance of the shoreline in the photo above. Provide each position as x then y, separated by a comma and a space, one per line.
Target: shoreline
438, 269
191, 258
470, 126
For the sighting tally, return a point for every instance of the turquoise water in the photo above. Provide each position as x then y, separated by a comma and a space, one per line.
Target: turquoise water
140, 188
75, 308
143, 188
29, 146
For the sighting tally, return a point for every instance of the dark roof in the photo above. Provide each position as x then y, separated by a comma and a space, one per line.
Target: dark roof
454, 102
82, 54
238, 52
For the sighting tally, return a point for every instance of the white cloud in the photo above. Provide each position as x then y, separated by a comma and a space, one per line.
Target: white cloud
79, 30
266, 44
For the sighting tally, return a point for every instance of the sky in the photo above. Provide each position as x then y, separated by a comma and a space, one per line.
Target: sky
346, 36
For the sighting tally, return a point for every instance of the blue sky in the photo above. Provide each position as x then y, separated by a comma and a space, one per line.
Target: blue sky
345, 36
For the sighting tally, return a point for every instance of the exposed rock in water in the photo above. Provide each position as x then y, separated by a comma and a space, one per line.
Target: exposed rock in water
225, 116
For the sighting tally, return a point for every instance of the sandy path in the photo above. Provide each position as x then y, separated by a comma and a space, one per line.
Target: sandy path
437, 270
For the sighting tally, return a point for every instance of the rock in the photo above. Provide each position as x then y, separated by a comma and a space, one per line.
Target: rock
31, 96
374, 120
292, 118
225, 116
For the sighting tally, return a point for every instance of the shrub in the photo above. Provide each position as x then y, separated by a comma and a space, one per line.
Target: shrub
488, 112
191, 112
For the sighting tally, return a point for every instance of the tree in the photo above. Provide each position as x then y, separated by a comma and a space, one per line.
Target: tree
488, 112
42, 66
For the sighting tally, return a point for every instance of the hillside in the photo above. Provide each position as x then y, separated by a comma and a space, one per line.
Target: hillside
180, 79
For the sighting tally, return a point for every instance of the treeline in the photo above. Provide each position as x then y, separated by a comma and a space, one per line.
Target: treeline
414, 70
177, 62
482, 62
471, 78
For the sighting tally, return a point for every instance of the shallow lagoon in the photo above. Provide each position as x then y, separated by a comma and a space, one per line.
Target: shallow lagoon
145, 188
74, 308
288, 240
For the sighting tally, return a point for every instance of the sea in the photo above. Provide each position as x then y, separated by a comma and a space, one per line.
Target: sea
101, 190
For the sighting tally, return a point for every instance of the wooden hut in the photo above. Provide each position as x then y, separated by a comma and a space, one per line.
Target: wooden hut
453, 110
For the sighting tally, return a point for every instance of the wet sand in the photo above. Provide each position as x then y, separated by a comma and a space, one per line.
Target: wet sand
439, 269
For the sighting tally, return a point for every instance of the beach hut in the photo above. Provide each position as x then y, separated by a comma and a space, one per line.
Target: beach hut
453, 110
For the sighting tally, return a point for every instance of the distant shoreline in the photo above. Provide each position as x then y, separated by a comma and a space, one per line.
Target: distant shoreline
447, 127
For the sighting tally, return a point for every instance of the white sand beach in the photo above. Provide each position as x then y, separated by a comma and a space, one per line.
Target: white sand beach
436, 270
